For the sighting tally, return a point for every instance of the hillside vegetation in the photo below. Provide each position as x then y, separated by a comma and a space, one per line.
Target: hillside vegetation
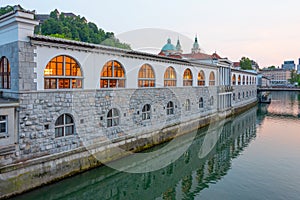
73, 27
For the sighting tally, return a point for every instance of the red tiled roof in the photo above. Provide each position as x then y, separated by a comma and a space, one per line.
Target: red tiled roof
236, 64
201, 56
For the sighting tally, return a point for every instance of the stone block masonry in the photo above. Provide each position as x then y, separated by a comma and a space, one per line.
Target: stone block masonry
39, 111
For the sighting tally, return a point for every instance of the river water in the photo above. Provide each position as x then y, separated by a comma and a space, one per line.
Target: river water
255, 155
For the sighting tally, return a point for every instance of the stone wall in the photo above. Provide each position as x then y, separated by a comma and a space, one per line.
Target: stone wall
242, 91
21, 59
39, 111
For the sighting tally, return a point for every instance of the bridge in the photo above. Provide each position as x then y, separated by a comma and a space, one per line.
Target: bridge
265, 89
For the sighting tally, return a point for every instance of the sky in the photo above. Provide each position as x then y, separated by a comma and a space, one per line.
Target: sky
267, 31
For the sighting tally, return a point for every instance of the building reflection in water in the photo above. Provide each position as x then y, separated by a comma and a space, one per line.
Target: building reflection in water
285, 104
183, 179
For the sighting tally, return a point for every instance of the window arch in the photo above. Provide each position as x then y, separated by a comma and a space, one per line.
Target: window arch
201, 103
212, 80
146, 76
4, 73
170, 108
187, 105
112, 75
113, 117
201, 78
146, 112
62, 72
187, 77
239, 80
64, 126
170, 77
233, 79
211, 101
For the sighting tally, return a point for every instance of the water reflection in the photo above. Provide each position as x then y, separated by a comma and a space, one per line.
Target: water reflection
183, 179
285, 104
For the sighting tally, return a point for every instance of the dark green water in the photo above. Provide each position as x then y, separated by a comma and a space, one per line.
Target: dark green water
255, 155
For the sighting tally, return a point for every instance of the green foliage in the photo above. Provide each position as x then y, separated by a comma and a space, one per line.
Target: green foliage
272, 67
295, 78
4, 10
245, 63
77, 28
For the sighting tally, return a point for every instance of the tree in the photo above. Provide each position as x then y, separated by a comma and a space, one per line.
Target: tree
245, 63
77, 28
272, 67
6, 9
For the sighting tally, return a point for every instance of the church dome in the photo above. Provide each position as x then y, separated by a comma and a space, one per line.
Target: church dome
169, 46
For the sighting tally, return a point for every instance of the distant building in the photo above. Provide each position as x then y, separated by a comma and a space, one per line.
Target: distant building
288, 65
298, 67
263, 81
278, 77
236, 65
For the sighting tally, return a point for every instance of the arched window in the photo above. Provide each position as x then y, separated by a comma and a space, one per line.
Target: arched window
239, 96
233, 79
64, 126
239, 80
247, 94
247, 81
146, 76
201, 78
201, 103
212, 80
187, 105
211, 101
243, 80
4, 73
146, 112
252, 80
243, 95
187, 78
233, 96
170, 77
112, 75
170, 108
62, 72
113, 117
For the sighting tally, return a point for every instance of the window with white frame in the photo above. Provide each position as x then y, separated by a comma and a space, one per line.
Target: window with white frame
187, 105
64, 126
62, 72
3, 126
170, 108
146, 112
201, 103
113, 117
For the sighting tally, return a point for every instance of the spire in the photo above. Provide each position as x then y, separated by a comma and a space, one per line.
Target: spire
178, 46
196, 48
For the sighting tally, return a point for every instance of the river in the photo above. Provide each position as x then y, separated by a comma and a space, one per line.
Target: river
255, 155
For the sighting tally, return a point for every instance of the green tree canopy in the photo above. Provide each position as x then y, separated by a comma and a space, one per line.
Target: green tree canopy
6, 9
272, 67
245, 63
77, 28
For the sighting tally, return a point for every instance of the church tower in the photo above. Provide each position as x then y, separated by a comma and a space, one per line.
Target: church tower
178, 47
196, 48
